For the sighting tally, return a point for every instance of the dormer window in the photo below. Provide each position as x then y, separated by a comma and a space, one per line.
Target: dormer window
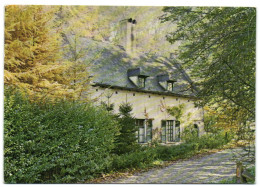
165, 82
137, 77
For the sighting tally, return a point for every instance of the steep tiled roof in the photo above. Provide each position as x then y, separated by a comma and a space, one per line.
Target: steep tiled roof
109, 65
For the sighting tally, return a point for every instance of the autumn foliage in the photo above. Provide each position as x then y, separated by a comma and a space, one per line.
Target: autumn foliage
32, 52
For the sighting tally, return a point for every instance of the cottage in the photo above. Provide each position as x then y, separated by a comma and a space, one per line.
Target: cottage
152, 84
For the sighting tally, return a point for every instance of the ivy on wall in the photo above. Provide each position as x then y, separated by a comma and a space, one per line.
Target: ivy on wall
176, 111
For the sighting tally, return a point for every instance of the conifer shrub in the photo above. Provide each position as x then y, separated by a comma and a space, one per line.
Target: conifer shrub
55, 143
126, 141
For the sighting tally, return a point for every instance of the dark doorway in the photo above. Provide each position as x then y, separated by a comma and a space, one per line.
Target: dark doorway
196, 128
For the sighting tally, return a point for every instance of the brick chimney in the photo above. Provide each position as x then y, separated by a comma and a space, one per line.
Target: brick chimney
127, 35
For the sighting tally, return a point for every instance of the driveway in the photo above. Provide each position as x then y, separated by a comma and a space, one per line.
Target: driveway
209, 169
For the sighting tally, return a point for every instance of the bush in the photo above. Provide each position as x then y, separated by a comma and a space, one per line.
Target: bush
137, 159
126, 141
233, 180
174, 152
206, 141
71, 142
251, 170
189, 135
147, 155
55, 143
211, 141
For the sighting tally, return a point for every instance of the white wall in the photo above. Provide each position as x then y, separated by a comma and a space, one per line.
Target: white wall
154, 106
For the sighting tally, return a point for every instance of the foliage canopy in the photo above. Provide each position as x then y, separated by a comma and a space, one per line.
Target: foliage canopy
218, 49
32, 52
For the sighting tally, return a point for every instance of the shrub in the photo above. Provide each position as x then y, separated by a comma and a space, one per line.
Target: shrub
147, 155
126, 141
211, 141
55, 143
189, 135
138, 159
206, 141
251, 170
175, 151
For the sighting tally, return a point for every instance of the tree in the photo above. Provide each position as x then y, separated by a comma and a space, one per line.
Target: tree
218, 49
126, 141
32, 53
78, 24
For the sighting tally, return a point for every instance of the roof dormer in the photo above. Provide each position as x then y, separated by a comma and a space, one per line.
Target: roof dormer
165, 82
137, 77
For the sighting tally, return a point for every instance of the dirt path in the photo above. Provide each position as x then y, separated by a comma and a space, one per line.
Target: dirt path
208, 169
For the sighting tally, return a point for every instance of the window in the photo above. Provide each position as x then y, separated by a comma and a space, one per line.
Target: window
170, 86
141, 82
149, 128
144, 132
170, 131
140, 131
163, 133
177, 131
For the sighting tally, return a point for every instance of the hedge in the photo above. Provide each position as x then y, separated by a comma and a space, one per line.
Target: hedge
55, 143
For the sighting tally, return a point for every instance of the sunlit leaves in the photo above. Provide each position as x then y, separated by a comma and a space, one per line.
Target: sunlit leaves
32, 51
219, 50
64, 142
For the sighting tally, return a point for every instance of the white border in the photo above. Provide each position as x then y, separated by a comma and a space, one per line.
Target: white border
231, 3
248, 3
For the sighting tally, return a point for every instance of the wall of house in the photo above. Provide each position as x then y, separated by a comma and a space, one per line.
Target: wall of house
152, 106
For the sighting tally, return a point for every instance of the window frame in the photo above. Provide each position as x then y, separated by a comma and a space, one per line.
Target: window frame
163, 131
169, 83
149, 130
170, 131
139, 124
147, 126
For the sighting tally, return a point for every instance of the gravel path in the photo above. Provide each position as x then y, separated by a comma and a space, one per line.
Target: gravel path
208, 169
